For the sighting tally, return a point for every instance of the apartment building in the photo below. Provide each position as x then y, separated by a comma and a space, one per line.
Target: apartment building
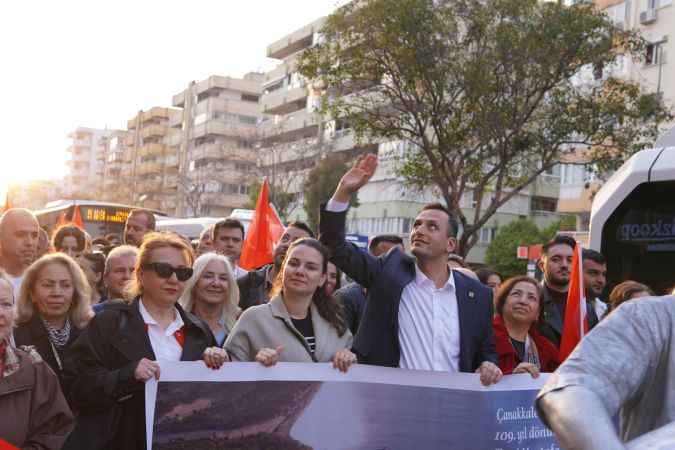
294, 136
148, 166
655, 19
114, 163
213, 136
83, 163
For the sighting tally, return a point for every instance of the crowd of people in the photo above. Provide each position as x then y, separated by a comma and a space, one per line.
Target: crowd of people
84, 322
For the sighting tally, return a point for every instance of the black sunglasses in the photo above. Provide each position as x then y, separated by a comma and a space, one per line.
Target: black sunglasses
165, 270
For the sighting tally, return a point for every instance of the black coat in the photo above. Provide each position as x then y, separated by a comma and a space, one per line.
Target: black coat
376, 342
100, 374
34, 333
254, 288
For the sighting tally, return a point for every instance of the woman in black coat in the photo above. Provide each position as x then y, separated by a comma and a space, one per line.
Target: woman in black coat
53, 308
110, 362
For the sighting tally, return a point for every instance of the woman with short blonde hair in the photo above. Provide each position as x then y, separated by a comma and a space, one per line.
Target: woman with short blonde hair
212, 294
120, 349
53, 307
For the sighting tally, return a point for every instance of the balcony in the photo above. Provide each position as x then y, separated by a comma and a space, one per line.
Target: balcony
216, 83
149, 168
219, 128
152, 150
228, 106
284, 101
154, 131
291, 127
79, 156
130, 139
178, 100
176, 120
156, 113
275, 74
224, 152
146, 186
296, 41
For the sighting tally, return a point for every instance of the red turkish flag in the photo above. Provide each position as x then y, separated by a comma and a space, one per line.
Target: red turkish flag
4, 445
576, 323
77, 218
263, 232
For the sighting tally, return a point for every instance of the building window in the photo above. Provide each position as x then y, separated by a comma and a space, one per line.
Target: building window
487, 235
547, 204
249, 98
654, 53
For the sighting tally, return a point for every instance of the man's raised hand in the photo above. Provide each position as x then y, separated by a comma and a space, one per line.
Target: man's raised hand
356, 177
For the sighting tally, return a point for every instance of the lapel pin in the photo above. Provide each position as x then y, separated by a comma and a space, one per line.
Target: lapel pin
472, 295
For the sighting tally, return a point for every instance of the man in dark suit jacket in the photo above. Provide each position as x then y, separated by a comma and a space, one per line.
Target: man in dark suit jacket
419, 314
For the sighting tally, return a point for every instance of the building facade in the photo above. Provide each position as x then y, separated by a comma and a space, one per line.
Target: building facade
84, 165
213, 136
655, 19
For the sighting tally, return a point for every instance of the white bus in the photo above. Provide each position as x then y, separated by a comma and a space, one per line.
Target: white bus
633, 220
192, 228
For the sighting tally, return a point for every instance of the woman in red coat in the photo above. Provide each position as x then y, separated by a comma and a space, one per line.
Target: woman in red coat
520, 347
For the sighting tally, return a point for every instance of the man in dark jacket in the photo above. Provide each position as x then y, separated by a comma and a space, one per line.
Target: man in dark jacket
254, 287
353, 296
420, 315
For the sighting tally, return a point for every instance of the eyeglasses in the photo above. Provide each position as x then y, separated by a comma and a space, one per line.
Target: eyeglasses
165, 270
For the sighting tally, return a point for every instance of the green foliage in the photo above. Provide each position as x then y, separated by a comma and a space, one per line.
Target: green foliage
501, 254
484, 92
566, 223
320, 185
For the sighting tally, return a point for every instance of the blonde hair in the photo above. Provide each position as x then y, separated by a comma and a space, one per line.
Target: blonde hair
231, 306
80, 309
151, 242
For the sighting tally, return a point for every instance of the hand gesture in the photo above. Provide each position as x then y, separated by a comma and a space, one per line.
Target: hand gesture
530, 368
268, 356
343, 359
146, 369
489, 373
214, 357
356, 177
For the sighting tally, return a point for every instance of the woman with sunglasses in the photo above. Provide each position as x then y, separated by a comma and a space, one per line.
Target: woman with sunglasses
300, 323
212, 294
119, 350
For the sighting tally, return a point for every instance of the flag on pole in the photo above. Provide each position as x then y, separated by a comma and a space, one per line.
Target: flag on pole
8, 203
575, 325
77, 218
263, 232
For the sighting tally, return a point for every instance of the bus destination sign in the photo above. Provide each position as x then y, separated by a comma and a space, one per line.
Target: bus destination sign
111, 215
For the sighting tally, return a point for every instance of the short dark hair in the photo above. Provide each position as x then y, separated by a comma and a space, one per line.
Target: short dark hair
302, 226
560, 239
506, 288
100, 241
453, 225
228, 223
147, 213
593, 255
485, 272
391, 238
65, 231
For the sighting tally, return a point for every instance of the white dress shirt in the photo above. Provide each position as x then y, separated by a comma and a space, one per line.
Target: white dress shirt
163, 341
428, 320
428, 325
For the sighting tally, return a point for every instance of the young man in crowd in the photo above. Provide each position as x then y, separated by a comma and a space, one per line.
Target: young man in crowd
139, 223
595, 281
353, 296
420, 314
254, 287
228, 240
556, 263
19, 234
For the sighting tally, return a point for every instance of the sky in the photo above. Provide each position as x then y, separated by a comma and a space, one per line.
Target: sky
95, 63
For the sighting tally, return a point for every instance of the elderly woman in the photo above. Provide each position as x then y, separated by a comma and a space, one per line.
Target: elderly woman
34, 412
70, 240
520, 347
212, 294
53, 308
300, 323
119, 350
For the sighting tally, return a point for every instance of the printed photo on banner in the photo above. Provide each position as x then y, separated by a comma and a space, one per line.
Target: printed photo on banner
312, 406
